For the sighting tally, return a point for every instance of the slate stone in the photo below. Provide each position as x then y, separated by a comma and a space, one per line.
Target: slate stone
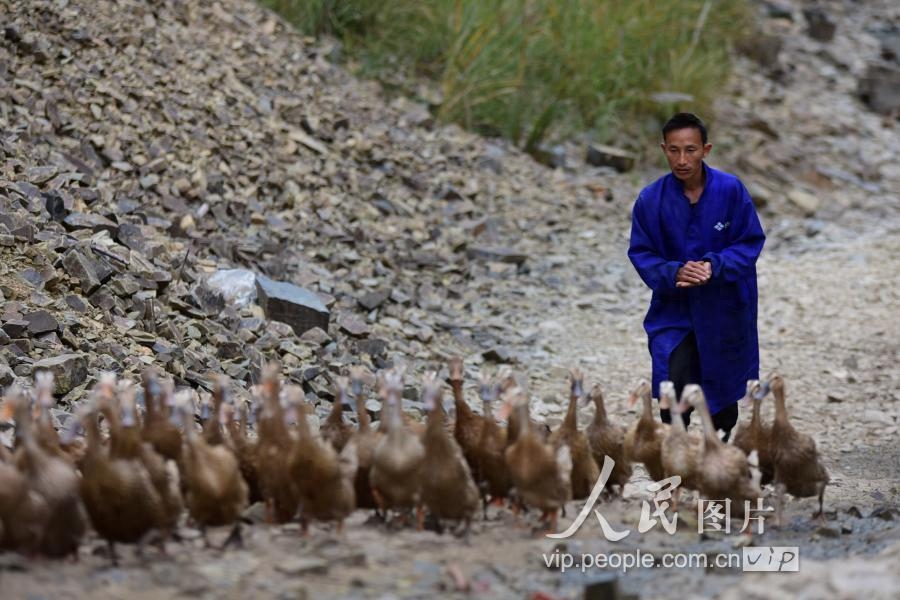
353, 325
372, 347
55, 205
92, 221
83, 269
503, 255
374, 299
553, 157
69, 371
7, 376
879, 88
33, 277
103, 299
75, 303
40, 322
15, 328
599, 155
821, 25
890, 44
316, 337
498, 354
764, 48
291, 304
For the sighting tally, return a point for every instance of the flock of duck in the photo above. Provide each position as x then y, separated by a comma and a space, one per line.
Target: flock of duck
133, 478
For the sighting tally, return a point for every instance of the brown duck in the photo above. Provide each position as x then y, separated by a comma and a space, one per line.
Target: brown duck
608, 439
396, 475
585, 471
448, 490
643, 439
756, 435
541, 474
798, 466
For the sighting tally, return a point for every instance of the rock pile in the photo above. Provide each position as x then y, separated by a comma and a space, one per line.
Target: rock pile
148, 148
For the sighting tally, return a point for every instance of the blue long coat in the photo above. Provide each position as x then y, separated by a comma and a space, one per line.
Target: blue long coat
723, 228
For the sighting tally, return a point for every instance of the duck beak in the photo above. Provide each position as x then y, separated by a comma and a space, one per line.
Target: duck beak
762, 391
632, 399
504, 411
7, 412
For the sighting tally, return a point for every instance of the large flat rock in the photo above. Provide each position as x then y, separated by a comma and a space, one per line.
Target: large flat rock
291, 304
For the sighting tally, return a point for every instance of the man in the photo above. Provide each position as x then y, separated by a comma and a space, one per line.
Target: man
695, 238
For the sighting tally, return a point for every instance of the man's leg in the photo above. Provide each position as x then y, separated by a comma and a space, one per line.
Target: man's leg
684, 368
725, 420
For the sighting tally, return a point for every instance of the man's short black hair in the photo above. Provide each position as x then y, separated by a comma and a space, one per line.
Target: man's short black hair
684, 120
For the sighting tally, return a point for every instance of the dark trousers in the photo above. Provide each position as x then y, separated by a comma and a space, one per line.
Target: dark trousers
684, 368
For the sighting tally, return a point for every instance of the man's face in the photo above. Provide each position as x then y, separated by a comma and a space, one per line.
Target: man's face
685, 151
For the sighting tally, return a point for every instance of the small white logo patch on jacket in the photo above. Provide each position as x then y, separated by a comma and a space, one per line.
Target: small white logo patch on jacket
720, 226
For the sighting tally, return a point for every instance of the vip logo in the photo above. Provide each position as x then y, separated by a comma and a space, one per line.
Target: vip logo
771, 558
720, 226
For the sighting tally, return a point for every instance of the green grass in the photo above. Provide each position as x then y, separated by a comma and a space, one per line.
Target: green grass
533, 70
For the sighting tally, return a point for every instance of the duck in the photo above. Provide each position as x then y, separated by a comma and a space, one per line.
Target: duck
798, 468
212, 414
121, 500
273, 450
335, 430
541, 474
245, 449
45, 433
396, 474
365, 439
322, 478
585, 471
756, 435
468, 424
680, 451
608, 439
160, 425
216, 492
54, 479
127, 443
23, 512
496, 480
643, 439
725, 472
448, 489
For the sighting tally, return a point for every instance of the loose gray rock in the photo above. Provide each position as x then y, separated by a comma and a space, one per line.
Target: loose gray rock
83, 269
503, 255
69, 371
15, 328
291, 304
764, 48
7, 377
821, 25
40, 322
374, 299
879, 88
599, 155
